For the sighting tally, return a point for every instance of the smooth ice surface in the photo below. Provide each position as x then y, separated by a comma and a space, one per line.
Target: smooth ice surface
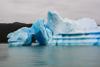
21, 37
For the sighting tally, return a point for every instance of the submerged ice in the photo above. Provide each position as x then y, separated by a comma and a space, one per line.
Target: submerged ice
57, 31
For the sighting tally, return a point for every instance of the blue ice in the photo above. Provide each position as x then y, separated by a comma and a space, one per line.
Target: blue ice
72, 32
58, 31
21, 37
39, 32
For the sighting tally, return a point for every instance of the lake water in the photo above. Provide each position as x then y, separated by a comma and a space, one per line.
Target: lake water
49, 56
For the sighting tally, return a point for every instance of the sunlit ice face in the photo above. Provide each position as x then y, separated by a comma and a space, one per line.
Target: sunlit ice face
17, 39
20, 38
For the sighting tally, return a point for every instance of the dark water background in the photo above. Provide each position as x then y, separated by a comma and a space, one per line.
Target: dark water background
49, 56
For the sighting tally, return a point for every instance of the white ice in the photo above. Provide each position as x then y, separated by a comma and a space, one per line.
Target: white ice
58, 31
21, 37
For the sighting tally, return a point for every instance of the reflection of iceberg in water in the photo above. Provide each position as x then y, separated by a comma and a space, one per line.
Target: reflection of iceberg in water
59, 31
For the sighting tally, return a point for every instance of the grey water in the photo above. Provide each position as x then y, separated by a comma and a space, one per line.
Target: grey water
49, 56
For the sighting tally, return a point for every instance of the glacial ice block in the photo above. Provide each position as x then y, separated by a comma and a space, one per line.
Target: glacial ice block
39, 32
56, 24
58, 31
76, 39
87, 25
59, 25
72, 32
21, 37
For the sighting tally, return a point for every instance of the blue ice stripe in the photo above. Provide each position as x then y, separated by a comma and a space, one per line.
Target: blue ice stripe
78, 34
67, 44
74, 38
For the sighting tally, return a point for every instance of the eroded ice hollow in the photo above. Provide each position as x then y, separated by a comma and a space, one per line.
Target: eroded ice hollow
59, 31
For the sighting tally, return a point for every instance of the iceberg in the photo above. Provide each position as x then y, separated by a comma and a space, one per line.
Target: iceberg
21, 37
57, 31
71, 32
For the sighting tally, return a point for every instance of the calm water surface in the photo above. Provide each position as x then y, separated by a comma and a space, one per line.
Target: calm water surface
49, 56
